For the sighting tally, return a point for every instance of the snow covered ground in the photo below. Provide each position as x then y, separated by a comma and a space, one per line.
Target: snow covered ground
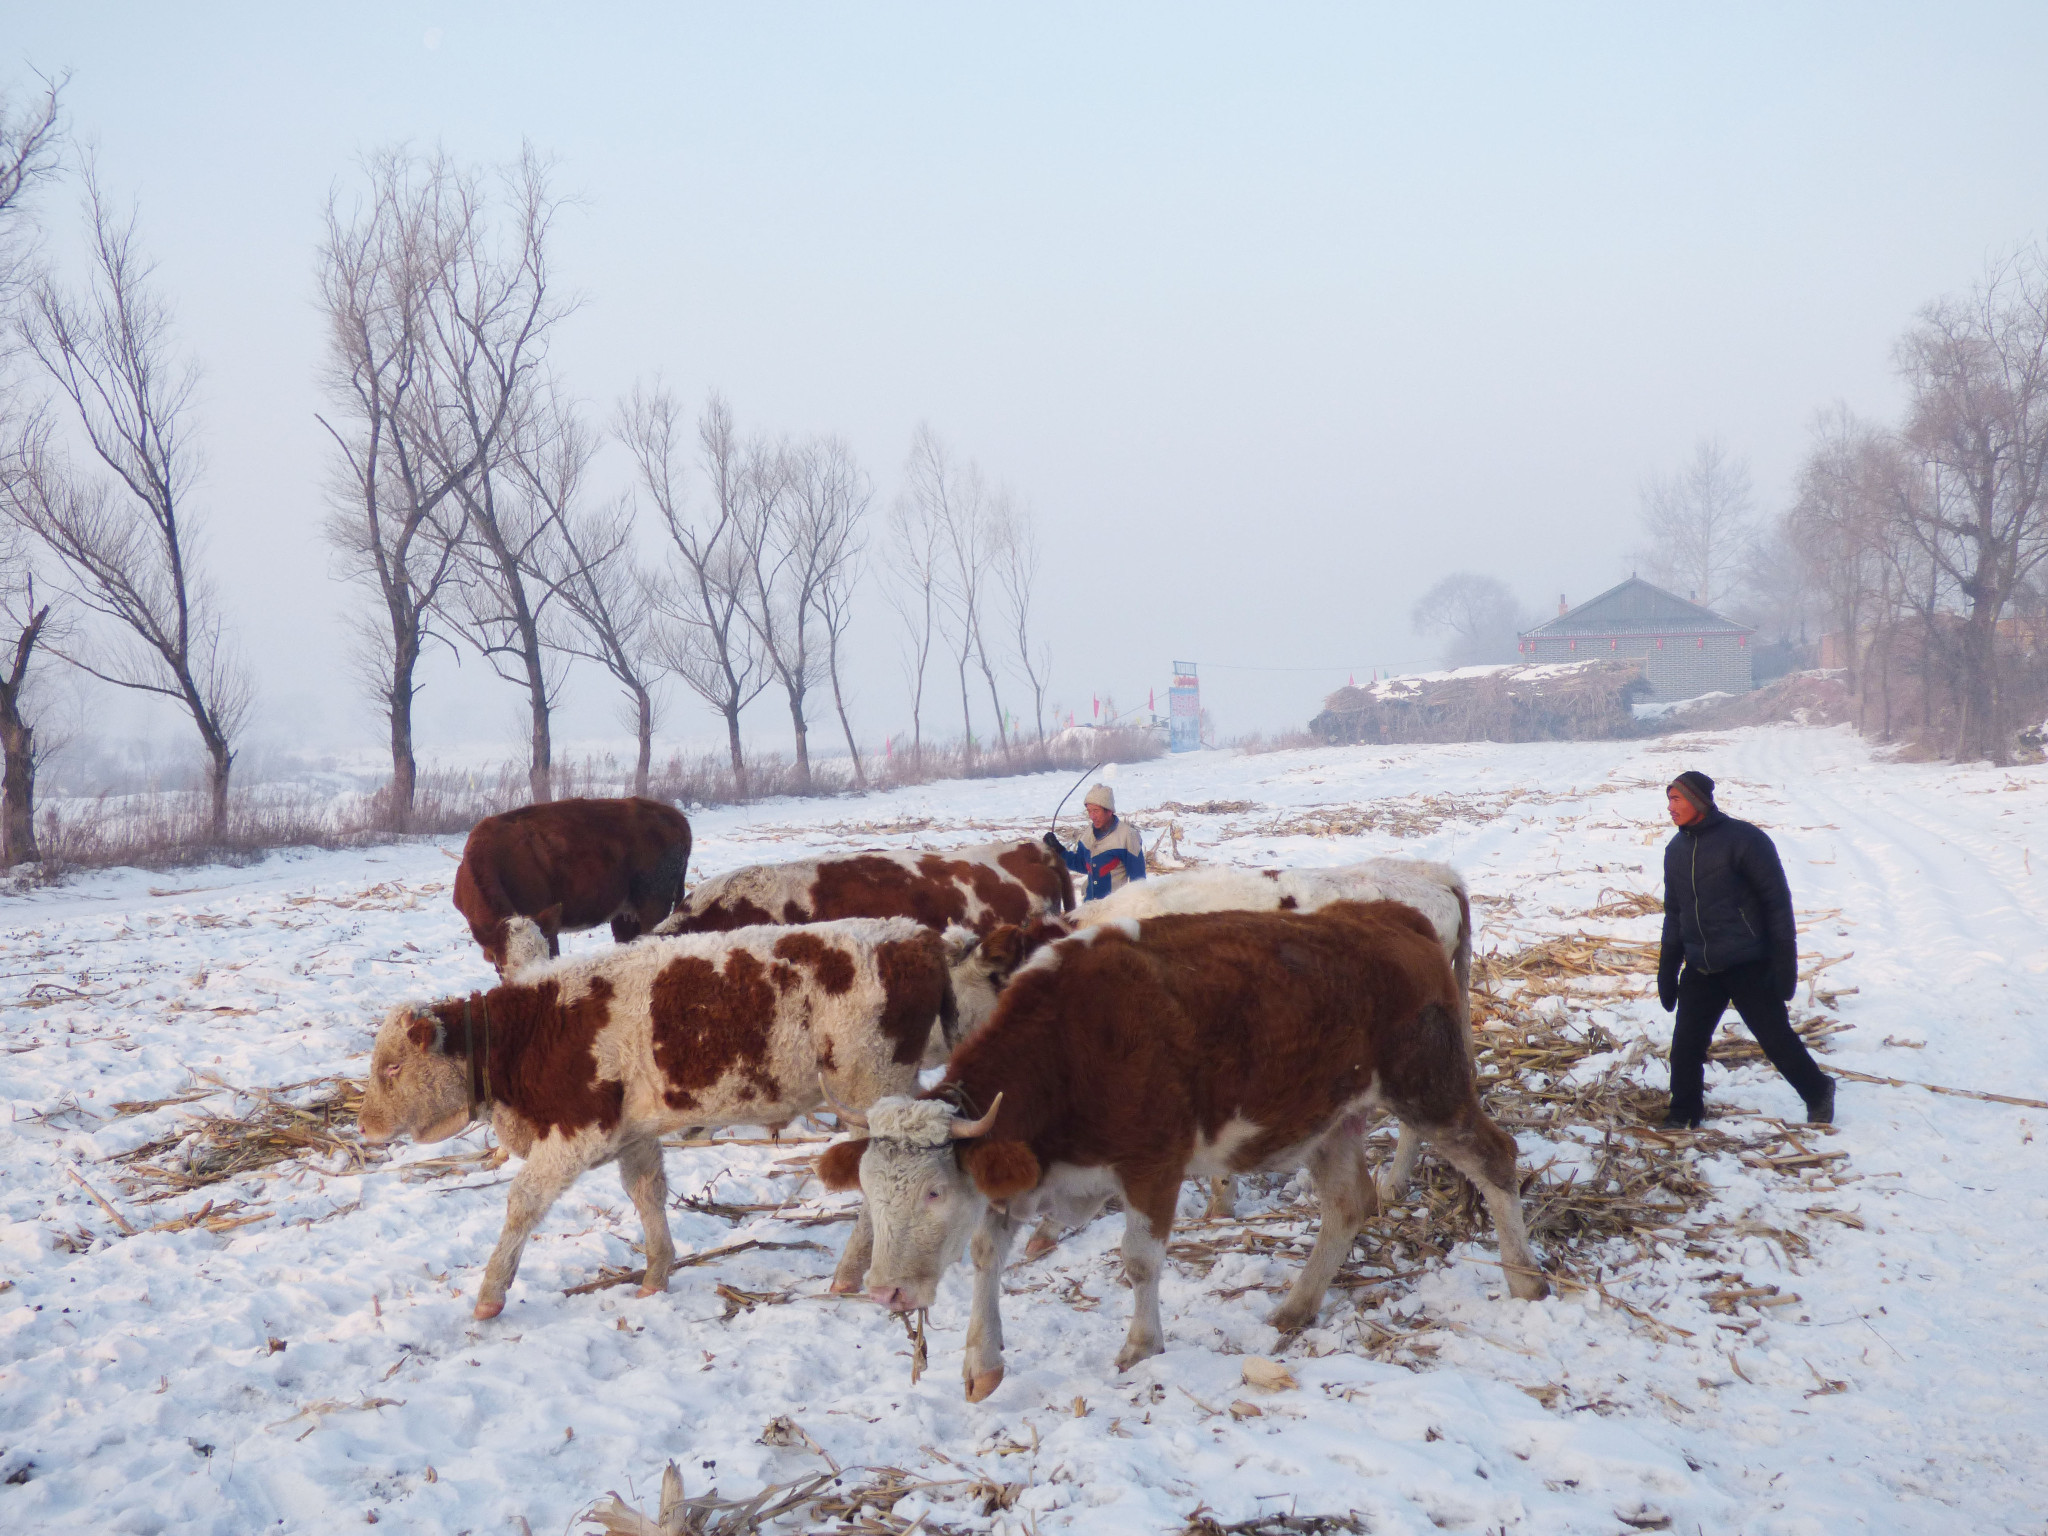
318, 1366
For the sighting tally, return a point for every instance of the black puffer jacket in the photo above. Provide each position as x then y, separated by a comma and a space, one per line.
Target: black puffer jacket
1726, 903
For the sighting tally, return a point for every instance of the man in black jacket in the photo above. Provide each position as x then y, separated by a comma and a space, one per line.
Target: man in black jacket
1728, 917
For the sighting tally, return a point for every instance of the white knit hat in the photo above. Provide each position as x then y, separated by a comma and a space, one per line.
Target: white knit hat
1101, 795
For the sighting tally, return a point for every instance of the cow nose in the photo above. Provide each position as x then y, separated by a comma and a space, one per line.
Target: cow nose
894, 1297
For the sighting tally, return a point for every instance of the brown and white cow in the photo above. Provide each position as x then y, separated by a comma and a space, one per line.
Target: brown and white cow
1124, 1059
581, 1061
1437, 891
977, 887
572, 864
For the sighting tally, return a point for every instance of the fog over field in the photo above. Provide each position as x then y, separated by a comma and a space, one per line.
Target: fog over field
1269, 319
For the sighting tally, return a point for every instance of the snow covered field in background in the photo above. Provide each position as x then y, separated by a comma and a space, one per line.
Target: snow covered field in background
318, 1367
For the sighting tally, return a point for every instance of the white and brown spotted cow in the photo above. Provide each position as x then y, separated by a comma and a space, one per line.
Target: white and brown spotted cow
1124, 1059
1437, 891
978, 888
581, 1061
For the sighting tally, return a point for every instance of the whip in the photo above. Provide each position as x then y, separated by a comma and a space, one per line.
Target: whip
1053, 825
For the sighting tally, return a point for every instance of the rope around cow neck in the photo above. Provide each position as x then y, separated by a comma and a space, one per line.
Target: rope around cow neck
480, 1060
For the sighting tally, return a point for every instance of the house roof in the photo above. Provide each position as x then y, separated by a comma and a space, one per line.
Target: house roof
1636, 608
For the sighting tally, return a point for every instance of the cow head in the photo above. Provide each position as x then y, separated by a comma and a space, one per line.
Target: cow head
416, 1088
982, 968
513, 943
927, 1174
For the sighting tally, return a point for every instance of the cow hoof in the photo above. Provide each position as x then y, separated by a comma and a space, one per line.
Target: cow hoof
486, 1310
1039, 1247
1528, 1287
980, 1386
852, 1287
1291, 1320
1131, 1354
652, 1290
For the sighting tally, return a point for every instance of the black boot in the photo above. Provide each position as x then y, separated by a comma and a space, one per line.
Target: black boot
1821, 1111
1674, 1121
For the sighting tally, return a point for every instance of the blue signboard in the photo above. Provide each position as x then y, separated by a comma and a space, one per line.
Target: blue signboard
1184, 709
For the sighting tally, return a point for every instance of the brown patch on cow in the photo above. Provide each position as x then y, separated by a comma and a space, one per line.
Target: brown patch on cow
785, 977
873, 886
708, 1024
1289, 904
793, 912
832, 968
723, 916
839, 1166
535, 1055
918, 991
1041, 872
1002, 1170
616, 861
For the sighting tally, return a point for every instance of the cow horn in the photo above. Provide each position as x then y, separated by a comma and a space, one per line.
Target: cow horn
852, 1117
965, 1129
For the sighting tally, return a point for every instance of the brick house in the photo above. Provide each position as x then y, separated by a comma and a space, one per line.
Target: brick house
1685, 650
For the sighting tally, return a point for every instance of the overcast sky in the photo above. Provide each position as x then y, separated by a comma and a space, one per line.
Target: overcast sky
1272, 315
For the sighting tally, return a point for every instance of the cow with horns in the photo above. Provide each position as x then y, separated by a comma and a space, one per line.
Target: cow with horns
1124, 1059
593, 1059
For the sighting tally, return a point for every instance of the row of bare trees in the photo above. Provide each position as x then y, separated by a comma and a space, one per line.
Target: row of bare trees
463, 494
1926, 542
463, 498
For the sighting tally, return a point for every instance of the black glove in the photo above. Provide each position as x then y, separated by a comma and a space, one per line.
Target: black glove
1053, 842
1667, 984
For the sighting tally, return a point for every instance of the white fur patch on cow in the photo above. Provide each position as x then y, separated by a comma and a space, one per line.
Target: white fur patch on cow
918, 1122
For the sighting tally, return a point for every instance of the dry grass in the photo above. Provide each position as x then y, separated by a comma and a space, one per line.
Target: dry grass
207, 1148
1586, 702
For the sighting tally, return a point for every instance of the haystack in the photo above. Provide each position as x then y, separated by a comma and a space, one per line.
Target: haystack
1576, 701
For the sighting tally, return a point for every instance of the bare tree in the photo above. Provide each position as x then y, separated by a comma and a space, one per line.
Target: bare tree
30, 142
1700, 521
915, 552
125, 537
384, 268
585, 558
1475, 616
488, 353
832, 494
1017, 567
707, 641
1978, 371
954, 500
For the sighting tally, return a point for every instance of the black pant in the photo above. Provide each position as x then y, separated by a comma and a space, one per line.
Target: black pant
1703, 996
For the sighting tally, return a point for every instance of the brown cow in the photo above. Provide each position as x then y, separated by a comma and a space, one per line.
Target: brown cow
1124, 1059
584, 1060
977, 887
572, 864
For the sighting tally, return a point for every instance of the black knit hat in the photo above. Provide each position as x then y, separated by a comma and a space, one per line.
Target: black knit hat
1696, 787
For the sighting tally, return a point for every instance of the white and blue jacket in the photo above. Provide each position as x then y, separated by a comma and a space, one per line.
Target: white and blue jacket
1110, 858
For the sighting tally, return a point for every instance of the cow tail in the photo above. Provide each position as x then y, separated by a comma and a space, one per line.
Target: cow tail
665, 880
949, 1013
1461, 965
1066, 883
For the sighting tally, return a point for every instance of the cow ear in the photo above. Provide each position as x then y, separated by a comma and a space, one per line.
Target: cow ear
1001, 1170
550, 921
424, 1032
839, 1168
960, 941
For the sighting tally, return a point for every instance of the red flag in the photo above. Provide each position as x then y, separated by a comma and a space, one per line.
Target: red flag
1152, 700
1098, 707
1354, 679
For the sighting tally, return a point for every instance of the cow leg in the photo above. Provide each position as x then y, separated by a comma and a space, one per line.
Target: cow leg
850, 1275
551, 1167
1349, 1199
1485, 1154
1222, 1197
626, 927
1148, 1219
1393, 1182
646, 1181
982, 1365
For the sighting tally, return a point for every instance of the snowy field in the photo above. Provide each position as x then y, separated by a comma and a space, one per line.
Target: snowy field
301, 1357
